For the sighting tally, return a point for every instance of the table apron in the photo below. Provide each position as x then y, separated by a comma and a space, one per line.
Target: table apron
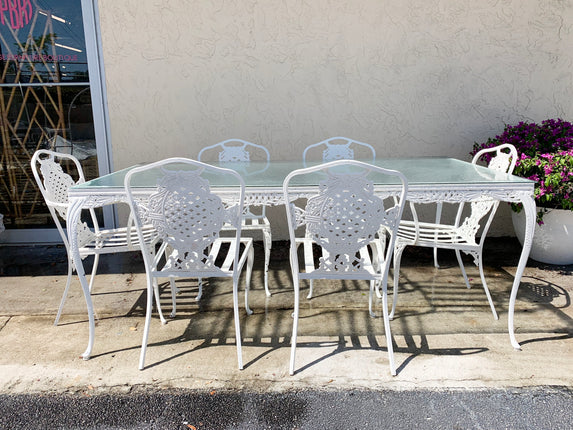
267, 197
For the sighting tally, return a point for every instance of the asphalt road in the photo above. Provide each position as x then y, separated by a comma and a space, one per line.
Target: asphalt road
524, 408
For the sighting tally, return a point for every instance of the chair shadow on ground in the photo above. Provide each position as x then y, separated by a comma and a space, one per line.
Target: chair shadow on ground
270, 328
441, 292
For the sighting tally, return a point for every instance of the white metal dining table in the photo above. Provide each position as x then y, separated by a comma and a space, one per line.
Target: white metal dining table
430, 179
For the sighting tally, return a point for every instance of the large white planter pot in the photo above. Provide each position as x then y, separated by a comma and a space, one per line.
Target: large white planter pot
552, 241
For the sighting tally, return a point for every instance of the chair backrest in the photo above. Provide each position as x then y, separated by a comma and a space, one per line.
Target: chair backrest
338, 148
500, 161
184, 210
497, 158
347, 212
235, 150
54, 184
52, 181
238, 151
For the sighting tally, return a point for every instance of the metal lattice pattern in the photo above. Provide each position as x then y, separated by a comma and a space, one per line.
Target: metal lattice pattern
337, 152
234, 153
500, 162
188, 217
480, 207
343, 218
56, 183
339, 148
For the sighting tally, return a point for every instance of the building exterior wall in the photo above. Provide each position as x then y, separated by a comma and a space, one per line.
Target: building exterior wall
409, 77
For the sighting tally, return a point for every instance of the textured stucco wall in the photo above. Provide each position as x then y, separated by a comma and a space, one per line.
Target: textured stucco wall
410, 77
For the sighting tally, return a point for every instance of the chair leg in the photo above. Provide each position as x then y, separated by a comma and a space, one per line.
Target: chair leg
147, 323
310, 289
486, 289
237, 321
387, 329
250, 260
174, 291
397, 258
268, 241
309, 263
461, 263
376, 253
436, 265
294, 326
65, 295
94, 271
370, 299
156, 294
378, 293
200, 285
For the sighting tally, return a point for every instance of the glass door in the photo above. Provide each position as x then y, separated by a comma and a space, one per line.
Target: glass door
46, 102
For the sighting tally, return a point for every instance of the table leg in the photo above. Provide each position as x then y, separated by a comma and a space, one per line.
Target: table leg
72, 220
530, 216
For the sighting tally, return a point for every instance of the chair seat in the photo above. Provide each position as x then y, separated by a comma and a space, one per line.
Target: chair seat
114, 240
431, 235
258, 223
312, 270
251, 223
224, 257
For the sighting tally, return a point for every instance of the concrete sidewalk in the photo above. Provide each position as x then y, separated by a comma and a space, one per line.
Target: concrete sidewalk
444, 334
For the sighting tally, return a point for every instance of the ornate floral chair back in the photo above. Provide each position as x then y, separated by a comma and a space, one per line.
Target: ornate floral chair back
500, 161
53, 182
339, 148
188, 217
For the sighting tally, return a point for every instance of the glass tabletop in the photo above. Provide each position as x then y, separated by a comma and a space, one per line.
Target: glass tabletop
426, 171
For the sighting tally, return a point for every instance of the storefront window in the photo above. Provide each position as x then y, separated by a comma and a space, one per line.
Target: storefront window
45, 100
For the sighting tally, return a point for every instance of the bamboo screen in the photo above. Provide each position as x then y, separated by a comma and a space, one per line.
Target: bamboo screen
44, 102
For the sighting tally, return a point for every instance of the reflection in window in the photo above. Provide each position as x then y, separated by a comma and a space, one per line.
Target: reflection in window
42, 41
45, 100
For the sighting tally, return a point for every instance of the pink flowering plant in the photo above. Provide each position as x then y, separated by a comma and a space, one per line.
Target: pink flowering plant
546, 156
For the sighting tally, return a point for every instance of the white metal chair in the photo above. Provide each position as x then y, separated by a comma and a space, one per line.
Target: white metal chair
343, 218
188, 217
54, 183
462, 235
338, 148
238, 150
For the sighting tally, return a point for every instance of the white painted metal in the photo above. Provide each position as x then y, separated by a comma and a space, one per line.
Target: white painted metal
237, 151
462, 235
339, 148
188, 218
54, 184
343, 215
430, 179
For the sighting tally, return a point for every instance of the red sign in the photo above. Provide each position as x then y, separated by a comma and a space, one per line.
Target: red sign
19, 11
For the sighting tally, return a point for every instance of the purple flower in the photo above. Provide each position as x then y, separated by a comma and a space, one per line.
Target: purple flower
545, 155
